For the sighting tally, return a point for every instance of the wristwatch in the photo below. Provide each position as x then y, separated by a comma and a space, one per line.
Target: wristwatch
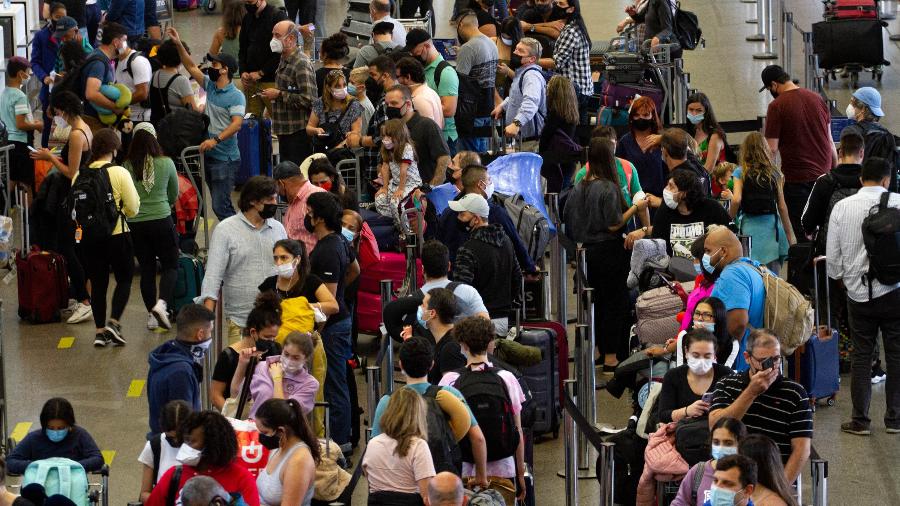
531, 30
217, 139
517, 123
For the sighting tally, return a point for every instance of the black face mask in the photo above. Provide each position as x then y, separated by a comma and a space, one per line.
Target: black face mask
308, 225
270, 442
515, 62
213, 74
251, 8
394, 112
463, 226
642, 124
52, 25
268, 211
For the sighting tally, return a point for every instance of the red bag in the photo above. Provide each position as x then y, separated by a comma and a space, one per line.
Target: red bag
368, 312
251, 453
369, 253
187, 205
43, 285
390, 266
855, 9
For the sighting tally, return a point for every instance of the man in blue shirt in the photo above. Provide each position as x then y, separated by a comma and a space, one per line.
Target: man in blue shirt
526, 105
739, 286
225, 105
97, 70
44, 48
130, 14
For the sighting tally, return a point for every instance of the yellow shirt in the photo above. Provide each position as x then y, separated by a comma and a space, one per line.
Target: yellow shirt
124, 193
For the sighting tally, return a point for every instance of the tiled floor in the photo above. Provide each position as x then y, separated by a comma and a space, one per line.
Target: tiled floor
111, 403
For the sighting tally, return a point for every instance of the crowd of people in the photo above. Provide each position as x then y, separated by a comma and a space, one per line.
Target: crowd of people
288, 285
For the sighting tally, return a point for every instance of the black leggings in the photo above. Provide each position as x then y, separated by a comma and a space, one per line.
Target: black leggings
156, 239
97, 258
305, 8
607, 273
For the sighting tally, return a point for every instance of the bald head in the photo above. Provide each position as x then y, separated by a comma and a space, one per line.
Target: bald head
286, 32
723, 246
445, 489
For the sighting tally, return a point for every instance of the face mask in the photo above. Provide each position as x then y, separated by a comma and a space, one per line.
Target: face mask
388, 143
707, 264
270, 442
213, 74
326, 185
719, 451
695, 118
251, 7
307, 224
59, 121
285, 270
489, 191
463, 226
57, 435
393, 113
339, 93
641, 124
291, 366
198, 350
268, 211
420, 317
352, 89
698, 269
669, 199
851, 111
121, 50
699, 366
515, 62
710, 326
506, 41
188, 455
52, 26
276, 45
462, 39
721, 497
348, 234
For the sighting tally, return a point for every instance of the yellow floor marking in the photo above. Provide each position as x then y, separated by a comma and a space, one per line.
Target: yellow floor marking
135, 389
65, 342
108, 456
20, 431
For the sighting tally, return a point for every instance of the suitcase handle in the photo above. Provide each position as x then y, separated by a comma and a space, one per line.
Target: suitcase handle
816, 261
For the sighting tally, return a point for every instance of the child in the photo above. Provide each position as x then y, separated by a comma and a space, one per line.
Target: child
722, 183
399, 171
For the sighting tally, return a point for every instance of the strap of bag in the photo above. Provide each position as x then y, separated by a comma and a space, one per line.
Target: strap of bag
698, 478
173, 486
164, 93
245, 388
156, 450
43, 469
438, 71
65, 480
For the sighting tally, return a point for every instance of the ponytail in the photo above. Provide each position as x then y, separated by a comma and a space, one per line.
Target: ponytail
288, 413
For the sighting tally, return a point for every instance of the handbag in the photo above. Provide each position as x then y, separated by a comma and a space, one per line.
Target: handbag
234, 408
692, 440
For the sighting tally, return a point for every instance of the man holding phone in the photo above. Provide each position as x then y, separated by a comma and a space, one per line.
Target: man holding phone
768, 403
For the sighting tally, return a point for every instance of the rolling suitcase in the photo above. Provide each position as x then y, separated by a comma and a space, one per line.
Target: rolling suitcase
391, 266
368, 312
543, 379
852, 9
816, 364
830, 42
188, 279
386, 234
255, 144
657, 312
43, 282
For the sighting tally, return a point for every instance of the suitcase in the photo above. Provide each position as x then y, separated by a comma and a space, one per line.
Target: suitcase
816, 364
543, 379
852, 9
620, 95
657, 312
830, 42
255, 144
368, 312
386, 234
186, 5
188, 279
42, 279
391, 266
621, 67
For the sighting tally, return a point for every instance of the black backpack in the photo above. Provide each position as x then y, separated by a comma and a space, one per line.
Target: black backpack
686, 28
881, 235
158, 99
181, 128
692, 440
838, 193
529, 406
474, 102
72, 81
154, 66
92, 205
487, 397
445, 452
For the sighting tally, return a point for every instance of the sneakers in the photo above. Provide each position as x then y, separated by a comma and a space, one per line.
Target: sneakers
892, 430
80, 313
100, 340
113, 334
161, 312
878, 374
856, 428
152, 324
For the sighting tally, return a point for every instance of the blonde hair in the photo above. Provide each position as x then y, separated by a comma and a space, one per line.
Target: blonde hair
359, 75
755, 160
397, 131
721, 170
404, 419
561, 99
331, 80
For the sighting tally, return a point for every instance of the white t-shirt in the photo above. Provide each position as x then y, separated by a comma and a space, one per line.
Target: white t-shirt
388, 471
166, 458
142, 71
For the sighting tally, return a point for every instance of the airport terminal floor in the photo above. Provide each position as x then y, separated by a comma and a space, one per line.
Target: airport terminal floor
106, 385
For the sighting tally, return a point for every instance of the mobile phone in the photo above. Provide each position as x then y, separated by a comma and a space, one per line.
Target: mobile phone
32, 149
707, 397
768, 363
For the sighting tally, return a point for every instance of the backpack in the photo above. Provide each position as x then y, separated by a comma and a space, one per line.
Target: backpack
786, 311
154, 66
529, 406
72, 80
59, 476
380, 50
4, 135
838, 193
450, 286
156, 450
93, 207
474, 102
158, 99
881, 235
686, 28
180, 129
487, 397
445, 452
698, 479
692, 440
531, 224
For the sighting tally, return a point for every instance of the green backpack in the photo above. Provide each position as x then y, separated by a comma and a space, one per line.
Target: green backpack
59, 476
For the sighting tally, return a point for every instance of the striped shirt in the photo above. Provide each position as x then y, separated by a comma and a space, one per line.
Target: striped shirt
845, 250
782, 412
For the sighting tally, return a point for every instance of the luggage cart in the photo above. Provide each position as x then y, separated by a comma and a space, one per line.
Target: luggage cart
192, 166
4, 176
98, 486
349, 171
425, 23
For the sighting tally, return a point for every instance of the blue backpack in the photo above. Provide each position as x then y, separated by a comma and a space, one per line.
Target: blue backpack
59, 476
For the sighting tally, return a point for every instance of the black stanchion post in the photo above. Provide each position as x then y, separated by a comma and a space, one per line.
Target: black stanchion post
570, 432
387, 361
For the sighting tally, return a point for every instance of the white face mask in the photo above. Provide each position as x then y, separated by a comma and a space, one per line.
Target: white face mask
285, 270
276, 45
339, 93
489, 190
121, 50
669, 199
188, 455
291, 366
710, 326
198, 351
850, 111
388, 143
699, 366
506, 41
59, 121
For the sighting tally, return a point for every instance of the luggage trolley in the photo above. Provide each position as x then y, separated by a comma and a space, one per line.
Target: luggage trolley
425, 23
192, 166
349, 171
831, 43
98, 485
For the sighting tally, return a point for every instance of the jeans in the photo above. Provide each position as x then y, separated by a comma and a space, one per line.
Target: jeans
295, 147
321, 23
795, 196
476, 144
156, 239
866, 319
115, 253
336, 340
92, 16
220, 179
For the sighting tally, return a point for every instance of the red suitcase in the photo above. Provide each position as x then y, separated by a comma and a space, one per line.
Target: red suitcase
854, 9
42, 277
392, 266
368, 312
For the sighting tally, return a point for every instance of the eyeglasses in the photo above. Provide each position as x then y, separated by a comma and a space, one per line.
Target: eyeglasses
775, 359
703, 314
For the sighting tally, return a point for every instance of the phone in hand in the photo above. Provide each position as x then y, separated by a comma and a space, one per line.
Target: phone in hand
707, 397
768, 363
32, 149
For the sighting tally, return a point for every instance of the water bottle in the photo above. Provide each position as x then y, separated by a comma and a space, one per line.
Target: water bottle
6, 4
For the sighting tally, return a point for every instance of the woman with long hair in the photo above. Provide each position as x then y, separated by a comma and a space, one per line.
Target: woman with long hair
152, 228
336, 116
640, 146
595, 214
322, 174
559, 134
398, 463
285, 376
571, 53
772, 487
758, 204
333, 51
226, 38
706, 131
289, 476
684, 386
725, 436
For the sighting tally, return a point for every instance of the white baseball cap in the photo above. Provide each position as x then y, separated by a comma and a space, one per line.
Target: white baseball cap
472, 202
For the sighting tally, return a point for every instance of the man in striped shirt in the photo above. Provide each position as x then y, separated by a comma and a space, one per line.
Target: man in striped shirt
767, 403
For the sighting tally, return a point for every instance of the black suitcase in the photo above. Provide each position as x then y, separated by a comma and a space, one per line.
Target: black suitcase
849, 41
543, 380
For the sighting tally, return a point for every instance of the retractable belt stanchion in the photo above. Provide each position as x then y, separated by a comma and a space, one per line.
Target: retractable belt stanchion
787, 36
819, 468
606, 473
214, 350
387, 361
766, 24
760, 34
570, 433
584, 371
373, 395
558, 270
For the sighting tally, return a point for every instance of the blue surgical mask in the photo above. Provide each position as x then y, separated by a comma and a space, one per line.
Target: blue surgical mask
420, 317
57, 435
348, 234
707, 264
721, 497
351, 89
695, 118
719, 451
698, 269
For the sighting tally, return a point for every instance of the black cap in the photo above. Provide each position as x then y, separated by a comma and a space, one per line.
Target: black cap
415, 37
225, 59
285, 170
772, 73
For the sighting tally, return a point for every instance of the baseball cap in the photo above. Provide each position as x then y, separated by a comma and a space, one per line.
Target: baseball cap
415, 37
285, 170
63, 25
472, 202
772, 73
225, 59
871, 98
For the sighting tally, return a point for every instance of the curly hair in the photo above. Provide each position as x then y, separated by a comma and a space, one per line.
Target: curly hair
335, 47
220, 446
687, 183
475, 332
755, 161
266, 313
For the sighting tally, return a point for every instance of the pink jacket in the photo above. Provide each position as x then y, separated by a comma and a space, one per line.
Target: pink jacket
301, 386
662, 462
702, 289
